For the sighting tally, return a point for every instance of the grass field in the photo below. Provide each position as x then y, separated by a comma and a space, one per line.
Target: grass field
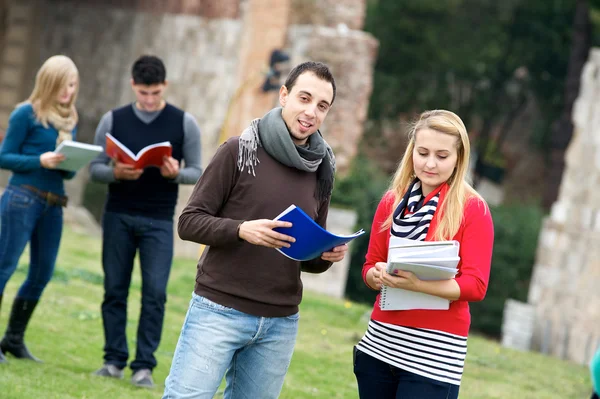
66, 332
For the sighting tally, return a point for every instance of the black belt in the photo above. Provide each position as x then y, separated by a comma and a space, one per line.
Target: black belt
51, 198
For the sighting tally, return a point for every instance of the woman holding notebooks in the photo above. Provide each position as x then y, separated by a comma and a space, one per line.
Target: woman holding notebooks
31, 205
420, 353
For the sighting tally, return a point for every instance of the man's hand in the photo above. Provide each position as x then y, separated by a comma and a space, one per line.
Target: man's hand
170, 168
336, 254
123, 171
50, 160
260, 232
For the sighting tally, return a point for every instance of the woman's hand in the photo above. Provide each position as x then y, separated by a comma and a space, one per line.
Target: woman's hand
399, 279
374, 275
50, 160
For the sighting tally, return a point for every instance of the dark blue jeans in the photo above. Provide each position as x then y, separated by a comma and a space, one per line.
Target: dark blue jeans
25, 217
123, 236
379, 380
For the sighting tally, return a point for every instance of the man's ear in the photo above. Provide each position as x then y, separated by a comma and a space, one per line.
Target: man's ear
166, 83
132, 82
283, 95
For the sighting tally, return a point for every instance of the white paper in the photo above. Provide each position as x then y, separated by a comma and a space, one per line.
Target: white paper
77, 155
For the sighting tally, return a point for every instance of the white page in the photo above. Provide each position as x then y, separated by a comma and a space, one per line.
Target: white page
423, 252
424, 272
399, 299
77, 155
397, 242
447, 262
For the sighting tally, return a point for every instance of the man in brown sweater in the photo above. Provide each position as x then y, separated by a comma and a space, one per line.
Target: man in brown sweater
243, 316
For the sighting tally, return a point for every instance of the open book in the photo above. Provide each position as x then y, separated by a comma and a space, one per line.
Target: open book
151, 155
311, 239
77, 155
428, 260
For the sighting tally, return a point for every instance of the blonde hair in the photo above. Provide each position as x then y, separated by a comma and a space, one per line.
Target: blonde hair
450, 217
51, 78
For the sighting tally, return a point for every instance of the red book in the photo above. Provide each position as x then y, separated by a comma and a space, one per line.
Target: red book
151, 155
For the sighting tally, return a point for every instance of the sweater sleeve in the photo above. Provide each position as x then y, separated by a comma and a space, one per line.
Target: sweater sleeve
378, 240
191, 152
199, 221
319, 265
100, 169
11, 157
476, 246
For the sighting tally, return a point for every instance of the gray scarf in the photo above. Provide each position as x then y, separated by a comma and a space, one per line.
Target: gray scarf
271, 133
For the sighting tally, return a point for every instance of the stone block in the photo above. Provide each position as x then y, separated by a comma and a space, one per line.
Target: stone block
560, 212
493, 193
15, 55
331, 13
517, 325
20, 11
9, 99
10, 77
17, 34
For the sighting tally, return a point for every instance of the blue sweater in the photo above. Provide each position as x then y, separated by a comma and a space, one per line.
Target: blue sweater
26, 139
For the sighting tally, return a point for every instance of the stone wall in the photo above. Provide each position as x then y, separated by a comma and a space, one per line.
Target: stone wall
203, 8
564, 287
329, 13
351, 55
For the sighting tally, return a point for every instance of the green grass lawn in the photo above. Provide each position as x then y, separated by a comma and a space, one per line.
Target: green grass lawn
66, 332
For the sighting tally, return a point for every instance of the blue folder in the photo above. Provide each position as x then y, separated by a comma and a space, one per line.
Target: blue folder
311, 239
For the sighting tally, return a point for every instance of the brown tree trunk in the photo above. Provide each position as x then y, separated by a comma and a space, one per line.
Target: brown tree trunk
562, 128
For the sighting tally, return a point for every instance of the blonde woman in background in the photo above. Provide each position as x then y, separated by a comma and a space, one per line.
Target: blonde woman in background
31, 205
413, 354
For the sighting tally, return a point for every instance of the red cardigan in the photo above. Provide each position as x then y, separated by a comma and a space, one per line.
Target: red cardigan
476, 237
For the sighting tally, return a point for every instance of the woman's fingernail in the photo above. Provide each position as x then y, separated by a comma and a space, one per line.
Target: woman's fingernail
395, 271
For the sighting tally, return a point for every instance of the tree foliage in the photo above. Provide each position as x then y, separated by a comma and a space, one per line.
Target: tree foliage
475, 57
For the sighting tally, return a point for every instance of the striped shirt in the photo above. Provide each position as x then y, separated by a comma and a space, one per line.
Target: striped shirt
429, 353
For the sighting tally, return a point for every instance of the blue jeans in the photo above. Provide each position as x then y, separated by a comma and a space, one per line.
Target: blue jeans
254, 351
123, 236
379, 380
25, 217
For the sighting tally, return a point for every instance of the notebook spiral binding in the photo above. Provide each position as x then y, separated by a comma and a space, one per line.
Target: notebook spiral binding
382, 297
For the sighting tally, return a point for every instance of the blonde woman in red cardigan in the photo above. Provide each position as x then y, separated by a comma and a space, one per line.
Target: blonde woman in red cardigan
414, 354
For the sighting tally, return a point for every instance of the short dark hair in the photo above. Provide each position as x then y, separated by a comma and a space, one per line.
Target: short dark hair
148, 70
318, 68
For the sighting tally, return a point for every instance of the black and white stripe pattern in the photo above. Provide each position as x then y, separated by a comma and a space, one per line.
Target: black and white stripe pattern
411, 219
429, 353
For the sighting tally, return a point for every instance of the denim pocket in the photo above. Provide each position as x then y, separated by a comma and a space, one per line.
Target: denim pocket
293, 317
206, 303
19, 200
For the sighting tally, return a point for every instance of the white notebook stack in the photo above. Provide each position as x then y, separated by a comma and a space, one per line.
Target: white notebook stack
428, 260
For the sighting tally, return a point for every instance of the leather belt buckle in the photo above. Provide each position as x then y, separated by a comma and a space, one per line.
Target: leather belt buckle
52, 199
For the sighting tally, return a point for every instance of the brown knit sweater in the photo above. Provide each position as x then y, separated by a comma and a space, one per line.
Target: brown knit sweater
252, 279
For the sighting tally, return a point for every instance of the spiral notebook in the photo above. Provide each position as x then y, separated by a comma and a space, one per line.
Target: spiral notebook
429, 260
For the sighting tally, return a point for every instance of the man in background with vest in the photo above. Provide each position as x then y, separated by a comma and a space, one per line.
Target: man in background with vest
138, 214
